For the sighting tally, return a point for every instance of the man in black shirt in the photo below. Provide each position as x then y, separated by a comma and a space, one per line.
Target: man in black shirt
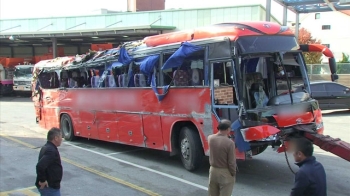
310, 180
49, 168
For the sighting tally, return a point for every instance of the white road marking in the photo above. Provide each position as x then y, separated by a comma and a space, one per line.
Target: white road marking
126, 151
141, 167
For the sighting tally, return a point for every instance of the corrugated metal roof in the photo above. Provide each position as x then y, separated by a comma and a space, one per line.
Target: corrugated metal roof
312, 6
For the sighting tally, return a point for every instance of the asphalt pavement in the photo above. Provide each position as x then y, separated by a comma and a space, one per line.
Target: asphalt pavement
100, 168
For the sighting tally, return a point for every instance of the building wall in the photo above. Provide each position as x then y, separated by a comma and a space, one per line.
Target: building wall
182, 19
24, 52
338, 36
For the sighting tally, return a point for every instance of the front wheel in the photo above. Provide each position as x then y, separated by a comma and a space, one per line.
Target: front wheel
191, 149
67, 128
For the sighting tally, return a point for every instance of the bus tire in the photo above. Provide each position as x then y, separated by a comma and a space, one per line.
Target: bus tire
190, 148
67, 128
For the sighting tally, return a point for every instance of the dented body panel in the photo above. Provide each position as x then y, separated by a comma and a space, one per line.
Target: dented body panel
130, 116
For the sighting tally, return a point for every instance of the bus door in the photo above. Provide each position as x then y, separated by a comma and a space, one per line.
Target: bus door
224, 100
38, 104
49, 98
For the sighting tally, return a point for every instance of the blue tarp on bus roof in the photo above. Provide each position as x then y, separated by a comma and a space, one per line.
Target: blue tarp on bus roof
124, 57
147, 65
180, 55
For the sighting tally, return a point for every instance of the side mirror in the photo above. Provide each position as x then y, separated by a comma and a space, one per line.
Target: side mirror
334, 77
332, 65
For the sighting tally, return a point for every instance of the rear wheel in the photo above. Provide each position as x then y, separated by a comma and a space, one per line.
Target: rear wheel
67, 128
191, 149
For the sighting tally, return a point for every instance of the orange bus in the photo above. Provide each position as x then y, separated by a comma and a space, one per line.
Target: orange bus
168, 92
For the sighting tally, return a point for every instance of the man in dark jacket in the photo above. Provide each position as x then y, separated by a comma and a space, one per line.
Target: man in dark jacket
310, 180
49, 168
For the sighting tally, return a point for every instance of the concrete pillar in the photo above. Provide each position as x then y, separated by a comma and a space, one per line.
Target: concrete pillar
79, 49
11, 52
297, 25
54, 47
284, 15
268, 10
33, 51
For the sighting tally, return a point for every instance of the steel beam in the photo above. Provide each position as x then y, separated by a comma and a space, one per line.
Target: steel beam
285, 15
268, 10
54, 47
297, 25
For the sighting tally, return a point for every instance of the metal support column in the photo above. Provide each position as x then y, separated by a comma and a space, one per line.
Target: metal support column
11, 52
268, 10
54, 47
297, 25
79, 49
284, 15
33, 51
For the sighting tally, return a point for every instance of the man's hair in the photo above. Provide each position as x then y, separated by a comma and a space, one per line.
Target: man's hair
304, 145
53, 132
223, 125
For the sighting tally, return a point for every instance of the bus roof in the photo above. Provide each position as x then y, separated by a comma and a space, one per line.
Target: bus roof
168, 43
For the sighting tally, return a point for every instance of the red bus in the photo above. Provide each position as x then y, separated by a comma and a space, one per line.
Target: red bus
168, 92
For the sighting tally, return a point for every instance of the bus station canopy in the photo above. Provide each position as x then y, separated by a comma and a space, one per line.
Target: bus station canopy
312, 6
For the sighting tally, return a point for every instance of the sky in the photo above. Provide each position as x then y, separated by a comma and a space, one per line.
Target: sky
43, 8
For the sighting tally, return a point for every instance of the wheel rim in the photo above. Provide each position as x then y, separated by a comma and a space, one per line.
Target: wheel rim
65, 127
185, 148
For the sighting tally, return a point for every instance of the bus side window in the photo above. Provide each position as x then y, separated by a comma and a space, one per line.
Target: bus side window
49, 80
223, 84
64, 79
197, 73
140, 79
167, 73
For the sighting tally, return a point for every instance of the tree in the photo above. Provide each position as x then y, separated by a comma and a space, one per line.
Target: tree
343, 66
306, 38
345, 59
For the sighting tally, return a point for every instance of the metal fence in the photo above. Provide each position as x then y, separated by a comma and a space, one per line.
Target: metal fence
322, 72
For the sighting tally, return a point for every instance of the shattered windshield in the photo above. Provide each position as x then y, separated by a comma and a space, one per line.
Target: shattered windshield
262, 44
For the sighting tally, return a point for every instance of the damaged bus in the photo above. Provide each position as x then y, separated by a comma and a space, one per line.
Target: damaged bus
168, 92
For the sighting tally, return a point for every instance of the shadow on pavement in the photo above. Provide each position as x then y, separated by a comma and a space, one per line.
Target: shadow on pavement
16, 99
336, 113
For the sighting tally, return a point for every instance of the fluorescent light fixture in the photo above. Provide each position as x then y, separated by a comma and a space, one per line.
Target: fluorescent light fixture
106, 39
125, 36
18, 40
94, 37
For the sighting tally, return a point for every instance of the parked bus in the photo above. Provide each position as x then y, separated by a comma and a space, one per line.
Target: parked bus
22, 78
168, 92
7, 68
